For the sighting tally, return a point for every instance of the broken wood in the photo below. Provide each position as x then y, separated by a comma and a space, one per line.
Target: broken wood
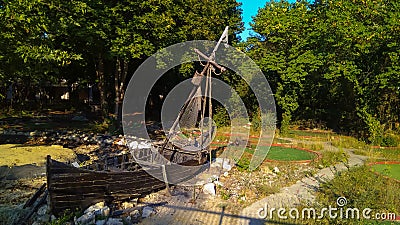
32, 200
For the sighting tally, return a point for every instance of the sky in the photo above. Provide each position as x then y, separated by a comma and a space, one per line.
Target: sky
250, 8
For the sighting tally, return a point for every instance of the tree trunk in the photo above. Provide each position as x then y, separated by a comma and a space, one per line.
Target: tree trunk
121, 71
102, 85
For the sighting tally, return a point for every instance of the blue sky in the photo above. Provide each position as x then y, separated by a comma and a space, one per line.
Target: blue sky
250, 8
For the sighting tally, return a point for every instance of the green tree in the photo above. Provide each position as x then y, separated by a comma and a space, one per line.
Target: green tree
336, 61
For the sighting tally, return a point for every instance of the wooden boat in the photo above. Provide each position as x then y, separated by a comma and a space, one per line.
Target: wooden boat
115, 179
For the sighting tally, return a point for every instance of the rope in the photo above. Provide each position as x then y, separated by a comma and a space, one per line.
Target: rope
198, 56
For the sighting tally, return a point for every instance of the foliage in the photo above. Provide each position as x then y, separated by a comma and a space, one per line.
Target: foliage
348, 142
358, 185
221, 117
330, 158
389, 141
99, 41
333, 61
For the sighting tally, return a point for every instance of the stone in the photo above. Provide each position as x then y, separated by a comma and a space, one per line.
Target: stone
209, 188
147, 211
75, 164
218, 183
135, 214
100, 222
276, 170
219, 160
44, 218
42, 210
127, 205
226, 174
143, 145
95, 207
115, 221
87, 218
226, 166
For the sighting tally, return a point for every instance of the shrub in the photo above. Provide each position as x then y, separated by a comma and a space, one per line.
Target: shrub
389, 141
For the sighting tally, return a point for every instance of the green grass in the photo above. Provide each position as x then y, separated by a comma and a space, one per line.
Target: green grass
288, 154
390, 154
363, 189
390, 170
348, 142
275, 153
310, 135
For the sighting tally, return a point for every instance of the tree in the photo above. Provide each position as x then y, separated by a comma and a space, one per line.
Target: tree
332, 60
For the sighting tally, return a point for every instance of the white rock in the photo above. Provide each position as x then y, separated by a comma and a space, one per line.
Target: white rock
127, 205
105, 211
95, 207
219, 160
75, 164
218, 183
143, 145
147, 211
226, 174
215, 164
133, 144
212, 179
209, 189
226, 166
135, 214
276, 170
87, 218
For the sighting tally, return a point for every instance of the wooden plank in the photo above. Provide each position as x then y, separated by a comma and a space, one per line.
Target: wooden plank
32, 200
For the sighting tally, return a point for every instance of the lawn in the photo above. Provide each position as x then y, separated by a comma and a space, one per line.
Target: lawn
288, 154
17, 155
390, 170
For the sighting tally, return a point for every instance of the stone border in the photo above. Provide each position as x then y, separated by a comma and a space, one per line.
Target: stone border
384, 163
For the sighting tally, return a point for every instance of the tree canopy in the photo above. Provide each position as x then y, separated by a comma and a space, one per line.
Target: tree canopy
332, 61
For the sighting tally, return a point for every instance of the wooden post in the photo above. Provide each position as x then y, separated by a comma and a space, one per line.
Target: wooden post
165, 178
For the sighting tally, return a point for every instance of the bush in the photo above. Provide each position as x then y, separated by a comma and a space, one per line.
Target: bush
389, 141
362, 189
221, 117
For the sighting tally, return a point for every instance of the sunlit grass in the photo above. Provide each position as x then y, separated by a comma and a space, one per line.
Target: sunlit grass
390, 170
17, 155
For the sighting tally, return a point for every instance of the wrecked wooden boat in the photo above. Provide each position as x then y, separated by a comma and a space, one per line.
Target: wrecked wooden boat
115, 179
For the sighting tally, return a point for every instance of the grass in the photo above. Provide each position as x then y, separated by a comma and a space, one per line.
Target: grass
349, 142
390, 170
288, 154
363, 189
17, 155
277, 153
330, 158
